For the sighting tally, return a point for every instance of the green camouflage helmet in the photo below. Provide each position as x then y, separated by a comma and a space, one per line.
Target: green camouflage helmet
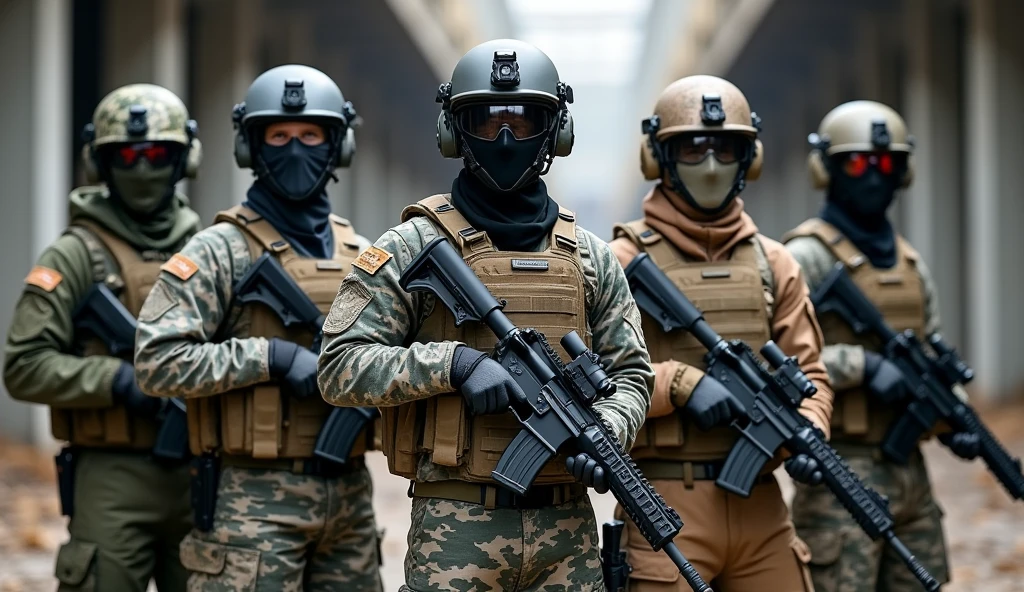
141, 113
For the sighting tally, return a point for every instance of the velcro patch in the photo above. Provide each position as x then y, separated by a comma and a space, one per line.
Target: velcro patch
180, 267
353, 296
44, 277
371, 259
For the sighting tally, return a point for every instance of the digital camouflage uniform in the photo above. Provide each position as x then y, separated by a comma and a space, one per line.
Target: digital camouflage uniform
273, 529
130, 511
371, 358
844, 559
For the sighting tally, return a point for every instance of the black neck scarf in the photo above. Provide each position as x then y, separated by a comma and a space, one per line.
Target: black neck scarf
305, 224
515, 221
877, 241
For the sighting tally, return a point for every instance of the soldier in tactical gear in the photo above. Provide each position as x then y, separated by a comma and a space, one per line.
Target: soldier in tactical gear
130, 509
283, 518
701, 145
444, 401
861, 156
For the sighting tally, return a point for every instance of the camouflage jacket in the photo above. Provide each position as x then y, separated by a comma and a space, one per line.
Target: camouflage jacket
190, 338
845, 362
368, 360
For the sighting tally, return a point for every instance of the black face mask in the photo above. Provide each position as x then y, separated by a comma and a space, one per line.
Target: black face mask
297, 171
505, 163
864, 199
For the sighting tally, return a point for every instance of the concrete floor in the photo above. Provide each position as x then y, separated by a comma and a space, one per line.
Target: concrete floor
985, 529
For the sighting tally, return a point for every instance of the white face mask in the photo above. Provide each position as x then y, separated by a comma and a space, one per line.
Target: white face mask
708, 182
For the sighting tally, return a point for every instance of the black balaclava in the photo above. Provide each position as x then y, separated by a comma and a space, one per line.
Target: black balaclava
506, 164
294, 197
515, 221
857, 206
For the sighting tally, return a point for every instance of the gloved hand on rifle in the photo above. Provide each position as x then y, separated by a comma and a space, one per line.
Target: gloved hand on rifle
804, 469
125, 391
484, 384
711, 404
294, 367
883, 378
586, 470
963, 444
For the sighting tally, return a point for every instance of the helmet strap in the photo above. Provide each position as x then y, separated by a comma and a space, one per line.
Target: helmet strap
336, 136
739, 183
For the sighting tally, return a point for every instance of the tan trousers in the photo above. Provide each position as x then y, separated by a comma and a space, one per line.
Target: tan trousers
736, 544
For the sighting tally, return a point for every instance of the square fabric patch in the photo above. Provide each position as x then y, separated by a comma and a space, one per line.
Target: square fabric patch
180, 267
44, 277
371, 259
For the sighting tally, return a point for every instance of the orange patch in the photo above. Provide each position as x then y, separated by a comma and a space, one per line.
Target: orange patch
44, 277
180, 267
371, 259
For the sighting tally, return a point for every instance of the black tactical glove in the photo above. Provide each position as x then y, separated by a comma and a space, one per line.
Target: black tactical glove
804, 469
963, 444
711, 404
586, 470
484, 384
294, 367
883, 378
126, 392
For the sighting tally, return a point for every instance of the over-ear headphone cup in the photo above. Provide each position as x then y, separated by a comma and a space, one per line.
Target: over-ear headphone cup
243, 157
817, 170
89, 165
194, 158
754, 170
446, 142
648, 163
348, 149
565, 138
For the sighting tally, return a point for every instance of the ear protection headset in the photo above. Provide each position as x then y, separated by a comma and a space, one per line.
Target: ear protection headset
193, 152
819, 163
561, 133
343, 150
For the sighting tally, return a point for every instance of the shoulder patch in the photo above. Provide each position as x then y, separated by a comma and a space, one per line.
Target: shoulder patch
180, 267
353, 296
44, 278
371, 259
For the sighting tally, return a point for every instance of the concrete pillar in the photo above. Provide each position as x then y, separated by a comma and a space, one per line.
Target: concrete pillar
34, 50
170, 38
932, 205
983, 160
225, 37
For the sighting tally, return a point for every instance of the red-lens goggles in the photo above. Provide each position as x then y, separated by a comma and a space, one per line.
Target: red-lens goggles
127, 156
855, 164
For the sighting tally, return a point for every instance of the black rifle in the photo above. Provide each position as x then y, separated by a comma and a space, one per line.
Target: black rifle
268, 283
929, 380
771, 400
613, 559
103, 315
557, 409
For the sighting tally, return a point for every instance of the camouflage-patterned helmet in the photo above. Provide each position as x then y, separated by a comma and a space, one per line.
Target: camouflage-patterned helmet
141, 113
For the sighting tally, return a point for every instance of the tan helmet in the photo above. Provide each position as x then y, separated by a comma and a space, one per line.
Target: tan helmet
140, 113
858, 126
695, 104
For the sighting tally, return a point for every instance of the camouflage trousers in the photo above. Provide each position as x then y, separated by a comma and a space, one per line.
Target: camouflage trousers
462, 546
276, 531
844, 559
130, 515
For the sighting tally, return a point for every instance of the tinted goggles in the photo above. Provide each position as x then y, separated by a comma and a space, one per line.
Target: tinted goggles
693, 149
158, 154
487, 121
855, 164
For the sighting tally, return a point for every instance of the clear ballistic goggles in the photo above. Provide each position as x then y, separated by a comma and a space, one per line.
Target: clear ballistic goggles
486, 121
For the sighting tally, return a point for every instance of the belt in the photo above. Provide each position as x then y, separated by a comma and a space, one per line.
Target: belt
312, 467
689, 471
491, 497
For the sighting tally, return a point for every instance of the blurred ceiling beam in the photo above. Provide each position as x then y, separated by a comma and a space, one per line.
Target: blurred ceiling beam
441, 29
731, 35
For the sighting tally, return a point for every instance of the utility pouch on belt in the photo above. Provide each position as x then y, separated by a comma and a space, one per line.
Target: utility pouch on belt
66, 460
204, 473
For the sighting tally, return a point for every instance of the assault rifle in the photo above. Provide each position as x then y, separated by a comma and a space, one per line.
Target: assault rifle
771, 400
103, 315
613, 560
268, 283
557, 411
929, 380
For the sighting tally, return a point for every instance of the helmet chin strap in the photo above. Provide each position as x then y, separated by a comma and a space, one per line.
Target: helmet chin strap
534, 171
